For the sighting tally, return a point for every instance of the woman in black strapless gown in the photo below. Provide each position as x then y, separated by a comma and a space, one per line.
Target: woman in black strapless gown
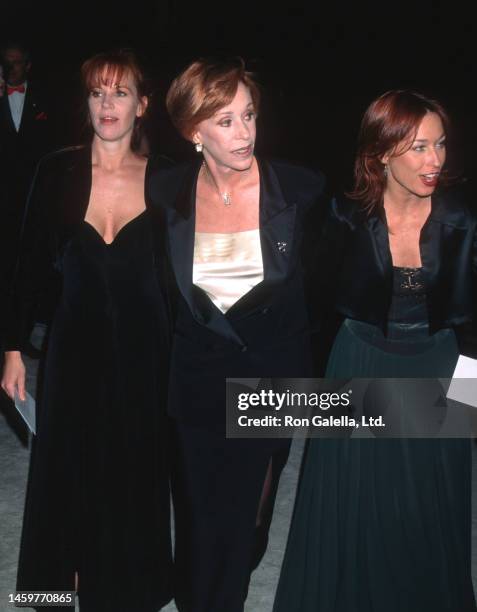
385, 524
97, 504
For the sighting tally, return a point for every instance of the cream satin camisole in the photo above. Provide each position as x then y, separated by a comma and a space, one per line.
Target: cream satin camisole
227, 266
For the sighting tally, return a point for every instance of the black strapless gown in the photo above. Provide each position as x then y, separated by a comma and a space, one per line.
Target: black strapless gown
98, 495
384, 524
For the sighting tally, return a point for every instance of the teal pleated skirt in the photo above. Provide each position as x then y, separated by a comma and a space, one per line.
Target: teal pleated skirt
382, 525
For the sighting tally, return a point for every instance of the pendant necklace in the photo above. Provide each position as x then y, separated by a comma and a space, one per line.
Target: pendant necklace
226, 196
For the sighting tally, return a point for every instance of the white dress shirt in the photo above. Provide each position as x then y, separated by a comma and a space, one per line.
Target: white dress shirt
16, 100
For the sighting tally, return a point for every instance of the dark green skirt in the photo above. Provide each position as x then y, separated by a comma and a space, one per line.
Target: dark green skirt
382, 525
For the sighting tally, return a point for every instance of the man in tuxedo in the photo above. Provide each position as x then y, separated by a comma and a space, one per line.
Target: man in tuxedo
25, 136
24, 123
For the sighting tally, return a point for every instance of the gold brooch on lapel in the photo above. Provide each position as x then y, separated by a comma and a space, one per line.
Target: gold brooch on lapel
282, 246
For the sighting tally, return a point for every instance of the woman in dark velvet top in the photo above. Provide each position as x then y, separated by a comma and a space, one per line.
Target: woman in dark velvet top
236, 227
384, 524
97, 507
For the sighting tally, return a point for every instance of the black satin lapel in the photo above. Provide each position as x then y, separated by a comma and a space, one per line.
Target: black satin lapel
26, 111
380, 236
277, 229
429, 243
181, 248
181, 229
276, 238
277, 226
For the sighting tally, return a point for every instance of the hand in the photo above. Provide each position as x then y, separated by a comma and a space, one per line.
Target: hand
13, 378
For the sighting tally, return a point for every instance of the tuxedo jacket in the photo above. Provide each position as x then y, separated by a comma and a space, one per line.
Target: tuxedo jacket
266, 333
21, 150
56, 208
34, 116
357, 269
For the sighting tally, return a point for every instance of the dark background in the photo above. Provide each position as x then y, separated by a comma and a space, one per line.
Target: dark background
320, 64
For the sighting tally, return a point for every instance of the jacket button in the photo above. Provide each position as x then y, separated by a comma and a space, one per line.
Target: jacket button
265, 311
244, 348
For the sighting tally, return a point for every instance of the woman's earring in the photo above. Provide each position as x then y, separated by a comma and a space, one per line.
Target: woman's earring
385, 170
198, 147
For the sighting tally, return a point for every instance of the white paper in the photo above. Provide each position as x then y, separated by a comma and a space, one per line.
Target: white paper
27, 410
463, 386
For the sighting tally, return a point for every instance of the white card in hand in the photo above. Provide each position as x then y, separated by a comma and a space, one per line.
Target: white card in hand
463, 386
27, 410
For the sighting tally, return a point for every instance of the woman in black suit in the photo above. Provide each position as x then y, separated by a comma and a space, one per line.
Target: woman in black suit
385, 524
235, 226
97, 507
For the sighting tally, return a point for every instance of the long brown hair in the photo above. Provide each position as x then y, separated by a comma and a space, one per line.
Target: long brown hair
389, 126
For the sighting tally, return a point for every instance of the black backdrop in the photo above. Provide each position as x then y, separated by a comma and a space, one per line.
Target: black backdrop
320, 63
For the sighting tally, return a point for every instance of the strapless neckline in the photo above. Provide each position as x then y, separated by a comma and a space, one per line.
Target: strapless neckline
121, 231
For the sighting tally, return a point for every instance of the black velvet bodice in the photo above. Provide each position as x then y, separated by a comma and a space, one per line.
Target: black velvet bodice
408, 322
408, 301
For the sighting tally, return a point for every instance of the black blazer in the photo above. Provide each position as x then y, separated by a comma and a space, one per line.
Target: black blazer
355, 252
266, 333
56, 208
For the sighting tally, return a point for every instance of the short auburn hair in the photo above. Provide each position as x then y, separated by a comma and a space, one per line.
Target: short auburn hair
205, 87
389, 126
104, 68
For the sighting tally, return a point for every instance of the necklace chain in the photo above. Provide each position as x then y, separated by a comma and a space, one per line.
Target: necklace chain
226, 196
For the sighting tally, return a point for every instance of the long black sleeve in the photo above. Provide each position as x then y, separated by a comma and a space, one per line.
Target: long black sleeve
34, 266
